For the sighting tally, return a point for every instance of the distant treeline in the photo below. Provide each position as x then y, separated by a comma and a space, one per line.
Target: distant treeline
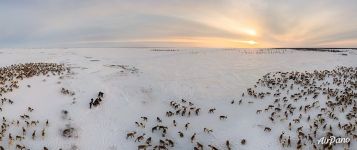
334, 50
165, 50
257, 50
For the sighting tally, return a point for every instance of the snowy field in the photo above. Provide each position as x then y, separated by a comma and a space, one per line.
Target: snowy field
141, 82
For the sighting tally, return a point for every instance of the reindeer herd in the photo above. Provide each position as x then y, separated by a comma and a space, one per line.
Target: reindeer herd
29, 129
161, 139
97, 101
310, 105
15, 130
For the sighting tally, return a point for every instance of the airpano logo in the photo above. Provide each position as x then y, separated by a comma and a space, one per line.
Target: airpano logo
333, 140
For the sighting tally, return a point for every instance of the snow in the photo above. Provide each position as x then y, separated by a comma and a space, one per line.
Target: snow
207, 77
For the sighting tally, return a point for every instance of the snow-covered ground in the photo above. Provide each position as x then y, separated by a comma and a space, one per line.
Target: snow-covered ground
140, 82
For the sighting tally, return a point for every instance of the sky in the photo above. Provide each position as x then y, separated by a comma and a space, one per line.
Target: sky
178, 23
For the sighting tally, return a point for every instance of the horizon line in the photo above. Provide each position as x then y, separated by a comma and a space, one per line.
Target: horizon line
182, 47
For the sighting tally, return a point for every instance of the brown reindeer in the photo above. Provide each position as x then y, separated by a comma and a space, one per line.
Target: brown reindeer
160, 147
129, 135
139, 138
143, 147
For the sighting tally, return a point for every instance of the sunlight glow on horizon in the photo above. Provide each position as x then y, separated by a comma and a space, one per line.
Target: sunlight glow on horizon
213, 42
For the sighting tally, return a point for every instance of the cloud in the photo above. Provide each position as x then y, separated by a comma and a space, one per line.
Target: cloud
81, 23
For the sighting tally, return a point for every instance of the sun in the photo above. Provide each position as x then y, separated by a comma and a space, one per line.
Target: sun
251, 42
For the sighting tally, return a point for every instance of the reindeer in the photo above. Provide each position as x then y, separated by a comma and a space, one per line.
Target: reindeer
10, 139
197, 111
158, 119
212, 147
289, 142
193, 137
211, 110
162, 142
199, 145
169, 114
43, 133
299, 147
91, 103
130, 134
20, 147
171, 143
160, 147
139, 138
267, 129
148, 141
228, 145
143, 147
96, 102
243, 141
258, 111
281, 136
154, 128
206, 130
33, 123
222, 117
100, 94
144, 118
181, 134
174, 122
186, 125
29, 109
34, 135
23, 131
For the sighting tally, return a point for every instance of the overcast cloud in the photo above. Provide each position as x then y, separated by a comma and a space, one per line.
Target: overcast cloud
198, 23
